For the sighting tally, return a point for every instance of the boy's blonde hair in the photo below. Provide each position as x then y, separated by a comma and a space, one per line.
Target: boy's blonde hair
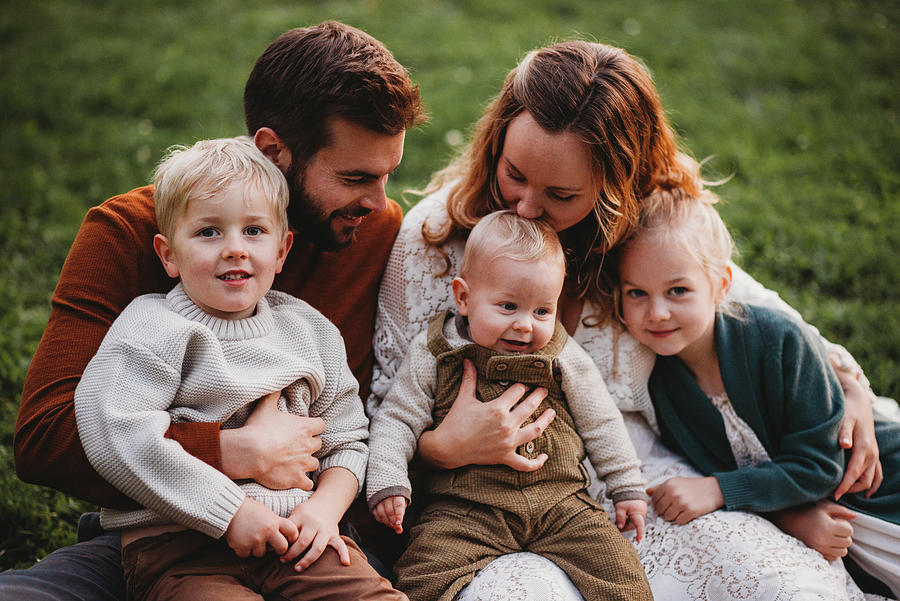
691, 224
203, 170
504, 234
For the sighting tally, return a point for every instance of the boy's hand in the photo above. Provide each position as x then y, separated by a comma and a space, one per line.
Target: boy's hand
255, 527
680, 500
318, 529
390, 512
630, 514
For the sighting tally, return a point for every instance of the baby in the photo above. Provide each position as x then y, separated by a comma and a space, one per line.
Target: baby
506, 295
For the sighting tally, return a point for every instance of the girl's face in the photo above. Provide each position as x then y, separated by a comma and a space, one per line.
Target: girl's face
544, 174
668, 301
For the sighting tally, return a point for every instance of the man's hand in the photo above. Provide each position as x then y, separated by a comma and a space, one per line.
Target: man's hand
863, 471
255, 528
390, 512
477, 433
823, 526
273, 447
680, 500
630, 515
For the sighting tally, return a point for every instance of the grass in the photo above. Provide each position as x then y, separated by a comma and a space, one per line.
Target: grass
797, 101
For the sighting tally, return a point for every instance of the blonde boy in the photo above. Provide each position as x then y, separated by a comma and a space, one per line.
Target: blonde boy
205, 352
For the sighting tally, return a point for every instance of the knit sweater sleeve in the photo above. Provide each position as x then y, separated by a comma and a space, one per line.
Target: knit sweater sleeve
404, 414
338, 403
120, 408
600, 425
803, 399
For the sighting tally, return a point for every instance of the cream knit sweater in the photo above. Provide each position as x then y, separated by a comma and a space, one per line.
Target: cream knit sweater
165, 360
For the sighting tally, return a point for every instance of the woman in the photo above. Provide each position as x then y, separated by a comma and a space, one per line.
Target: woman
577, 137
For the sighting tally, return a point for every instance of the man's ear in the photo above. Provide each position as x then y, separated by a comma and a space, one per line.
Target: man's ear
166, 254
283, 251
271, 145
461, 295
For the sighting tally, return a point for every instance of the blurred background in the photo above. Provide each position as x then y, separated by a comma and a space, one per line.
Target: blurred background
796, 101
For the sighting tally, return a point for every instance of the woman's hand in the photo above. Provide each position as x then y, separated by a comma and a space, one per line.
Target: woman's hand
273, 447
477, 433
823, 526
680, 500
863, 471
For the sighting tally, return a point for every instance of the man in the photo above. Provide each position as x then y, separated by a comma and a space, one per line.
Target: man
329, 105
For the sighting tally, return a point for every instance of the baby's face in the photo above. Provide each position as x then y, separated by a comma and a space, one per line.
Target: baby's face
511, 305
227, 250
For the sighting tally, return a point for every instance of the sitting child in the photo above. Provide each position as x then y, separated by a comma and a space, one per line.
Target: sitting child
506, 294
205, 352
745, 393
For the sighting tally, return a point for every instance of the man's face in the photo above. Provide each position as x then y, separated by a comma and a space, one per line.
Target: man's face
342, 183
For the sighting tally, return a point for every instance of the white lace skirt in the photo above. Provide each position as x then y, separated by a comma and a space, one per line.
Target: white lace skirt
722, 556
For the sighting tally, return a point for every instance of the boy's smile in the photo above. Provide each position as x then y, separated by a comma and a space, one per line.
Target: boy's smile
226, 249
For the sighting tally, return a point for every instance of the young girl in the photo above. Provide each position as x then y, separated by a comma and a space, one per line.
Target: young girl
744, 392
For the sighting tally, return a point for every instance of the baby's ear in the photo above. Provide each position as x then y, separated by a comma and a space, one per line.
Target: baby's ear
461, 295
166, 255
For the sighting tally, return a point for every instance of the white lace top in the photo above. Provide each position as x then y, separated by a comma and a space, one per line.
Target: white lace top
720, 556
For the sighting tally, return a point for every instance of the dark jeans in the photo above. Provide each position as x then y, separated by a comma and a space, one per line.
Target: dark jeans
91, 569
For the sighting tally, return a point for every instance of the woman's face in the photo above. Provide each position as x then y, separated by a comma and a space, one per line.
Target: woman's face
544, 174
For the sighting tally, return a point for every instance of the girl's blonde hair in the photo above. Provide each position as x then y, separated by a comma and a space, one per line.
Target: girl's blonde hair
504, 234
203, 170
607, 98
688, 224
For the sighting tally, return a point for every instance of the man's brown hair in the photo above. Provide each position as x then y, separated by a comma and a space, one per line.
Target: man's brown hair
310, 75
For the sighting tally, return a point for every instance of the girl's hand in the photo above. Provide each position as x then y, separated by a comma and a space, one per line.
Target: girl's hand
318, 530
863, 471
680, 500
630, 514
255, 528
823, 526
390, 512
476, 433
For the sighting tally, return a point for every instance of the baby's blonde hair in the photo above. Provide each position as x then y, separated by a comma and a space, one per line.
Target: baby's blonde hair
207, 168
504, 234
691, 224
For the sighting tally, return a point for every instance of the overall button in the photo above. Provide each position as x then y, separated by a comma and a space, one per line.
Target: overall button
529, 446
449, 360
539, 363
501, 367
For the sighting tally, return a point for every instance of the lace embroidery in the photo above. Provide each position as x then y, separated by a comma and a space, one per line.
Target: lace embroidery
745, 445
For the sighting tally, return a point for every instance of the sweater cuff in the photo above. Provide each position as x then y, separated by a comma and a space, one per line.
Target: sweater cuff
354, 461
391, 491
200, 439
736, 491
629, 495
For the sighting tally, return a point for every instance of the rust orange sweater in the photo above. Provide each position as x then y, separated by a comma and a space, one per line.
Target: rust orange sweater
110, 263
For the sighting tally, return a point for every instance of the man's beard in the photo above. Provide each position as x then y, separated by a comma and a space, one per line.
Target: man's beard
312, 223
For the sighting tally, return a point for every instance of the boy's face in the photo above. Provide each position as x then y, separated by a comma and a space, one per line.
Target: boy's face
668, 300
511, 305
226, 250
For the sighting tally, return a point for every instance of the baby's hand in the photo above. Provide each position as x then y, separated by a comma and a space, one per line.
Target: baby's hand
390, 512
680, 500
255, 527
630, 514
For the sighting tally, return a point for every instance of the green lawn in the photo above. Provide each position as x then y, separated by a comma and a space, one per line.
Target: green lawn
796, 101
